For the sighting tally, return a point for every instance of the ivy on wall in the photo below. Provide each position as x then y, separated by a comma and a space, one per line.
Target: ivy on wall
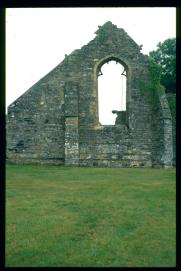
102, 36
152, 88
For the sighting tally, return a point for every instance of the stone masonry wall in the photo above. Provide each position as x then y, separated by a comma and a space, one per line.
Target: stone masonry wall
56, 121
171, 97
35, 124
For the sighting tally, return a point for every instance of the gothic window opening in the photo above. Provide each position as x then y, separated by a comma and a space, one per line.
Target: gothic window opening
111, 91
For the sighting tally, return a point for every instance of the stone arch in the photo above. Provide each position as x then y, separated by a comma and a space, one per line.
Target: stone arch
122, 61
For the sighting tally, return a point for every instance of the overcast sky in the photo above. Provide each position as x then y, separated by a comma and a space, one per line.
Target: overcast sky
37, 39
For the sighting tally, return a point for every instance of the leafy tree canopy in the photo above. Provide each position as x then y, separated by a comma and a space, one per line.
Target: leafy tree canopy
165, 56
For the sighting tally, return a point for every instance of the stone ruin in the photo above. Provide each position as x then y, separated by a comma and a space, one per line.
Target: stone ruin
57, 122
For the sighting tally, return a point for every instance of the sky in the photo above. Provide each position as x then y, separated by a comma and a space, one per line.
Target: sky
37, 39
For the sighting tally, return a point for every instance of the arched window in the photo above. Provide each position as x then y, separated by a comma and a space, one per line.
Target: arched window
111, 91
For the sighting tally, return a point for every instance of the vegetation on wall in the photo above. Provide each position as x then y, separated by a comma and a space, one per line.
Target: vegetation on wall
165, 57
104, 32
102, 35
152, 88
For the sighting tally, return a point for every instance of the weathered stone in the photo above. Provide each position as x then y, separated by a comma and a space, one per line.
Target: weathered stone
56, 120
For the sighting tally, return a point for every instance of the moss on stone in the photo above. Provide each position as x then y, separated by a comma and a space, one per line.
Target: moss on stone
152, 88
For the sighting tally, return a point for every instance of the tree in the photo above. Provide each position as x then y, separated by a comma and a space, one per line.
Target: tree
165, 56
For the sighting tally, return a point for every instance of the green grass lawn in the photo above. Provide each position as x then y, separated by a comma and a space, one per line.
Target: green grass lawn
60, 216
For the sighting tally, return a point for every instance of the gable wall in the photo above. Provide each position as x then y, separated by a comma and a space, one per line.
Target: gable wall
56, 121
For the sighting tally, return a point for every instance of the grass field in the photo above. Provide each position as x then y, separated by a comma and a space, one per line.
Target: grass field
60, 216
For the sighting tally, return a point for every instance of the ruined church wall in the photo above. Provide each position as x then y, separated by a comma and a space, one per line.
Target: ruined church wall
115, 145
56, 121
35, 123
